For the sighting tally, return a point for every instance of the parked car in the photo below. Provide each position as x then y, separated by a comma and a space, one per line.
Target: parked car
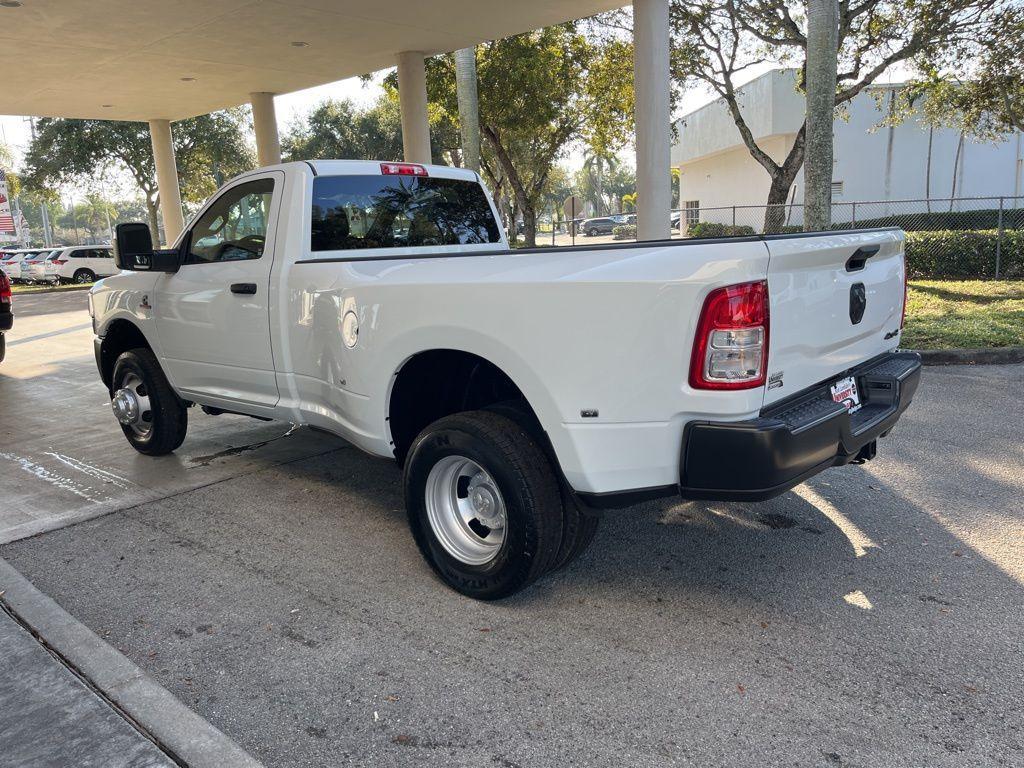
32, 269
6, 315
40, 268
599, 226
81, 264
521, 391
14, 263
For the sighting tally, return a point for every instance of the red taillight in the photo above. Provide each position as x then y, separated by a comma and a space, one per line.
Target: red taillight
60, 261
730, 350
5, 288
403, 169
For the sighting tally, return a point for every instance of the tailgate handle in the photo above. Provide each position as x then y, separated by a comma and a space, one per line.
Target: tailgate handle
244, 288
860, 257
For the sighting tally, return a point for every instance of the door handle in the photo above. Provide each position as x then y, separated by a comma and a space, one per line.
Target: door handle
244, 288
860, 257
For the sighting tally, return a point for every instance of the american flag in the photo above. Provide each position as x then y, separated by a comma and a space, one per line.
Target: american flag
6, 219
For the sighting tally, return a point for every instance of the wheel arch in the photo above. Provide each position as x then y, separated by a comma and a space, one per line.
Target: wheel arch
434, 383
120, 336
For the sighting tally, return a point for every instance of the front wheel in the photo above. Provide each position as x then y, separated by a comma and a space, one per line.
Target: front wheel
152, 416
483, 503
83, 276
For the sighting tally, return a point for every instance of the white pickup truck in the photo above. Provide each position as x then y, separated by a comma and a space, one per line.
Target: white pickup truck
520, 390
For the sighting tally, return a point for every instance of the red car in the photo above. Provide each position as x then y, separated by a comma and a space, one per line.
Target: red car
6, 316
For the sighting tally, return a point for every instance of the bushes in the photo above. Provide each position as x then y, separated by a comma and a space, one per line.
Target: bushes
934, 221
714, 229
624, 232
964, 254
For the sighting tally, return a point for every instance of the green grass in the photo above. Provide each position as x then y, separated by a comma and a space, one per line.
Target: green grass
40, 288
967, 314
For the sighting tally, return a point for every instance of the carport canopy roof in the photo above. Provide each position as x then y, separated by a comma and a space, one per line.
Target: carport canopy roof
153, 59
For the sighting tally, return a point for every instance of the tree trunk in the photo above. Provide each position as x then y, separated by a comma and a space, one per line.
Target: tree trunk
822, 42
928, 170
154, 227
599, 186
469, 106
956, 169
783, 177
529, 226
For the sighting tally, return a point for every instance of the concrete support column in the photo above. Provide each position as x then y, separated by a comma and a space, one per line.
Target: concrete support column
167, 178
652, 86
264, 122
412, 94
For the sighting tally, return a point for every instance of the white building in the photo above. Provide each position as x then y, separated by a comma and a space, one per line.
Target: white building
871, 163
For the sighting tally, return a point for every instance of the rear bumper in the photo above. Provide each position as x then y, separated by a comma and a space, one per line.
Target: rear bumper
793, 440
790, 441
6, 318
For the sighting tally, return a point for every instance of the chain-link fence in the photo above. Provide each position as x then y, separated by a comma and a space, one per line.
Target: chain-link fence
965, 237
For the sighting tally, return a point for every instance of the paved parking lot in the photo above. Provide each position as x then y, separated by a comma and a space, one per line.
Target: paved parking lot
870, 618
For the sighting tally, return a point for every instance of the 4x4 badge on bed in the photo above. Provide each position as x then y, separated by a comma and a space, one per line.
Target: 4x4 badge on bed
775, 380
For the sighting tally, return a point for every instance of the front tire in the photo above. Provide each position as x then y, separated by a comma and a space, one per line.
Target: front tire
152, 416
484, 504
83, 276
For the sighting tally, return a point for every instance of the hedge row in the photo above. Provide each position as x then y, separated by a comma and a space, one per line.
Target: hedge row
964, 254
934, 221
714, 229
624, 232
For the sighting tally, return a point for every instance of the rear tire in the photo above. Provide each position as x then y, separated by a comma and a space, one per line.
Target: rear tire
579, 524
526, 516
83, 276
163, 419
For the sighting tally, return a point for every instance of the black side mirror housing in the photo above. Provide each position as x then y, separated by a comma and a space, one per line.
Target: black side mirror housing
133, 250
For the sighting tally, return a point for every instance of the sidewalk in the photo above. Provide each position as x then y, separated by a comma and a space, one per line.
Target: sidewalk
52, 719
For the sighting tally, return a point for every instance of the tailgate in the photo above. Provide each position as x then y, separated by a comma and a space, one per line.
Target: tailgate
814, 285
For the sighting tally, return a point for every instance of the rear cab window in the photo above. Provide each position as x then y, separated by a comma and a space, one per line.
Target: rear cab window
352, 212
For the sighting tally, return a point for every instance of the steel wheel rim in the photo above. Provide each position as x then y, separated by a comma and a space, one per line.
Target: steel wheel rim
132, 407
466, 510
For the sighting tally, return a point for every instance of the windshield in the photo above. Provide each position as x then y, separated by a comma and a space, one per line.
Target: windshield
351, 212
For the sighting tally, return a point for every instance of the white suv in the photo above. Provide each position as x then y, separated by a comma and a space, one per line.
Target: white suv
79, 264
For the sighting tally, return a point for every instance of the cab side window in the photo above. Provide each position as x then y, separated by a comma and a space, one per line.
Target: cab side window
234, 228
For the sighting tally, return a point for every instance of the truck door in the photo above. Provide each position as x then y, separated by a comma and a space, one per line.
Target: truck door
213, 314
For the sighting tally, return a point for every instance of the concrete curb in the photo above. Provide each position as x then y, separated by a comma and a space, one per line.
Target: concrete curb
175, 728
69, 289
987, 356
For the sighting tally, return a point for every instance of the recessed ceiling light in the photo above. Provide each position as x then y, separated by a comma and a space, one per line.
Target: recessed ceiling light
10, 3
300, 44
188, 79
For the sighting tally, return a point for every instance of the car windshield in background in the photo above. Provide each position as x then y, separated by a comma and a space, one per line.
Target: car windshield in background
351, 212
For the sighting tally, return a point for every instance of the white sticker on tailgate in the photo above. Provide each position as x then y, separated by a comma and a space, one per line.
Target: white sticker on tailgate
845, 391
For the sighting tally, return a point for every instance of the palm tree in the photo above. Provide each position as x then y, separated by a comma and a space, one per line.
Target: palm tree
595, 164
469, 106
822, 41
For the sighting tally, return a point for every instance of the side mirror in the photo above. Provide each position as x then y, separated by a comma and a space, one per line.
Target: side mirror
133, 250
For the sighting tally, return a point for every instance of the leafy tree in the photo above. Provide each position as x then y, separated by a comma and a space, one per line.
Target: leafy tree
208, 150
94, 215
539, 92
716, 42
341, 130
988, 100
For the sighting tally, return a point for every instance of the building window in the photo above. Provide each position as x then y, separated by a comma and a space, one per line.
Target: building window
837, 188
692, 212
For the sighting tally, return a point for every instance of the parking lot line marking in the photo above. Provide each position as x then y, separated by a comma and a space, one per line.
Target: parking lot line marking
90, 470
859, 540
60, 481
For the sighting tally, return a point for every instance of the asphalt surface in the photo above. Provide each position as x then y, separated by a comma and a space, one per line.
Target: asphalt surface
869, 618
